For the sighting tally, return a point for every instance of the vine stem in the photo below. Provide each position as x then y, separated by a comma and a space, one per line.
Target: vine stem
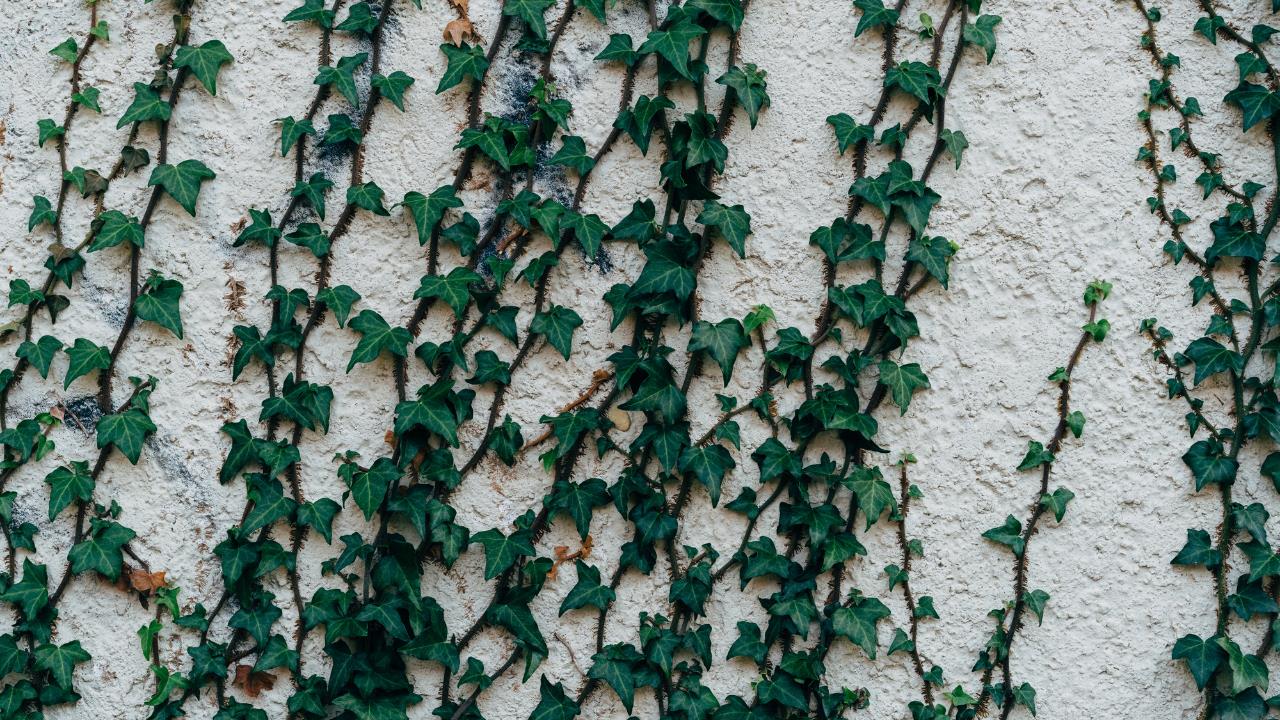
908, 596
1038, 508
315, 316
564, 467
69, 115
876, 344
1244, 352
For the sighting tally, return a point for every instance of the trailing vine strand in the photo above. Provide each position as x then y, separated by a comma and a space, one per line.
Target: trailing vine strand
99, 543
378, 631
1017, 534
1231, 396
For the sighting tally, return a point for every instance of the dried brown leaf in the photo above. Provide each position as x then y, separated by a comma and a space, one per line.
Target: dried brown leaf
253, 683
146, 582
459, 30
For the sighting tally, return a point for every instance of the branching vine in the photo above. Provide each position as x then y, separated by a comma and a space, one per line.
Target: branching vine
512, 222
1231, 398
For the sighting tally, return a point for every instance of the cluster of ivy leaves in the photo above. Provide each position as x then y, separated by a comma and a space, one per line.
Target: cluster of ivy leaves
374, 615
1230, 362
38, 662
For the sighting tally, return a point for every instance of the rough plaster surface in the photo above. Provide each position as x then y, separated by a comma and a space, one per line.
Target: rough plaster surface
1047, 199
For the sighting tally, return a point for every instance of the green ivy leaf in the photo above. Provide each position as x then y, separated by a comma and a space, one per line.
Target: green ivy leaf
1036, 601
68, 484
47, 130
257, 619
21, 293
260, 229
61, 660
553, 703
360, 19
101, 550
729, 12
464, 61
42, 213
204, 62
310, 236
312, 191
589, 230
88, 97
874, 14
32, 593
501, 551
874, 494
431, 411
596, 7
1057, 502
1008, 534
182, 181
342, 130
312, 11
1075, 422
291, 131
342, 77
367, 196
902, 381
733, 223
393, 87
557, 324
490, 369
454, 288
66, 50
531, 12
665, 273
386, 615
318, 515
849, 132
573, 154
1208, 464
749, 87
270, 504
147, 105
614, 665
672, 43
87, 182
1036, 456
40, 353
339, 299
159, 304
588, 592
858, 623
377, 335
84, 357
722, 341
276, 654
982, 33
709, 464
1212, 357
955, 142
1247, 671
1256, 103
933, 254
114, 227
1234, 239
916, 79
428, 210
126, 431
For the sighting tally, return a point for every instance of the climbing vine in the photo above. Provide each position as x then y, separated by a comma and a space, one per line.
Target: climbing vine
1224, 375
100, 544
384, 594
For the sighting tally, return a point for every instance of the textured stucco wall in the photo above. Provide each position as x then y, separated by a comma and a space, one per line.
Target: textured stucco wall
1048, 198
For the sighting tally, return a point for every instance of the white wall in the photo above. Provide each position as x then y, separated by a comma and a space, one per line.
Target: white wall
1047, 199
